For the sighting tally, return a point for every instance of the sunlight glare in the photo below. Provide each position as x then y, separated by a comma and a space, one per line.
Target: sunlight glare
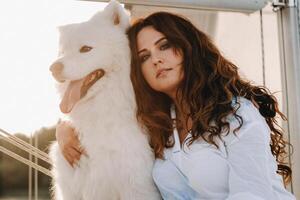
29, 44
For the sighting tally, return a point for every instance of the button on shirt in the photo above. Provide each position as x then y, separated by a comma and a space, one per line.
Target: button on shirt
243, 168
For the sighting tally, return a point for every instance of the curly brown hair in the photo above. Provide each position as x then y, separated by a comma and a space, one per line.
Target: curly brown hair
210, 83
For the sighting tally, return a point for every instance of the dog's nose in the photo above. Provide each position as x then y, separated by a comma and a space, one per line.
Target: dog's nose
56, 69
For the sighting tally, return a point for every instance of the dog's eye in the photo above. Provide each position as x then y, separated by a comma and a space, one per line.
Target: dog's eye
85, 49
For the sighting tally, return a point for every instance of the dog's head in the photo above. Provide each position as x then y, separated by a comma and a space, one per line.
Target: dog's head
88, 51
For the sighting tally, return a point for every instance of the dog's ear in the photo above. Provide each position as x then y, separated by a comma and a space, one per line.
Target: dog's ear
117, 14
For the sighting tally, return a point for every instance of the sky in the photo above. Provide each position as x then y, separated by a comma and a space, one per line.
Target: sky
29, 44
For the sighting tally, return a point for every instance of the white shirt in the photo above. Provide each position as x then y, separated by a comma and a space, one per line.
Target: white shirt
243, 168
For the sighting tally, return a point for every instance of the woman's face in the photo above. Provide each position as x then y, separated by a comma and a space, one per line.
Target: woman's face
161, 66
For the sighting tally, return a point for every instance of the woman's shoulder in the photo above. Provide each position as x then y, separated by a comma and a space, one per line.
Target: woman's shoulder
249, 123
246, 110
241, 102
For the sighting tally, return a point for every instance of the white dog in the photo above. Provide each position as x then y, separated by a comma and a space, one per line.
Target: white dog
97, 95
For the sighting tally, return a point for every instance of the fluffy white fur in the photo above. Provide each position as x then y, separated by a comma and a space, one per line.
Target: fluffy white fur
120, 160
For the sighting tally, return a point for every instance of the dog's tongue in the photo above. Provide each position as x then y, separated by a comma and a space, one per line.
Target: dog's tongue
71, 96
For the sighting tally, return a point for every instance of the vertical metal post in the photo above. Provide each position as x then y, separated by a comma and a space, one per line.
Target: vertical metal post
289, 39
262, 47
36, 186
30, 173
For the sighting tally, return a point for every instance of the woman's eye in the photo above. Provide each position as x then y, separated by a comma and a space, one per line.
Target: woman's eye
144, 58
164, 46
85, 49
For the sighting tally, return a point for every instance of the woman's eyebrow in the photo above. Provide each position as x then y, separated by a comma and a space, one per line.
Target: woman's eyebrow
160, 39
140, 51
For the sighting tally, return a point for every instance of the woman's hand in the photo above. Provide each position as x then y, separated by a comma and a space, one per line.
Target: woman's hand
68, 142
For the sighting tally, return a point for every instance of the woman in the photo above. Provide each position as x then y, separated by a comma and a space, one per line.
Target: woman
225, 143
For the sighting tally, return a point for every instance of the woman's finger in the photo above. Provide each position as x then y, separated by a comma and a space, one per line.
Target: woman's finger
74, 141
74, 154
77, 147
70, 155
69, 159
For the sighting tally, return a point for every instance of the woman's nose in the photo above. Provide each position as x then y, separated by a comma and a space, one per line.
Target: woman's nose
157, 59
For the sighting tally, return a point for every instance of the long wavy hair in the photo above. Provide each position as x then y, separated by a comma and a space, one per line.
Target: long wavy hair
209, 85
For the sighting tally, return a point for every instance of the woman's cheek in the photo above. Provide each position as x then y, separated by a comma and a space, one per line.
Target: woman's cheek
147, 76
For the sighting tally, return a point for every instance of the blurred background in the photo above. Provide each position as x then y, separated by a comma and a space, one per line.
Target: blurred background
254, 39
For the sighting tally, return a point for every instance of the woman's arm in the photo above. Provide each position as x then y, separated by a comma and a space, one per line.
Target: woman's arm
252, 168
68, 142
249, 173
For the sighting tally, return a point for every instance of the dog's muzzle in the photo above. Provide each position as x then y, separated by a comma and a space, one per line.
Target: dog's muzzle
56, 69
78, 89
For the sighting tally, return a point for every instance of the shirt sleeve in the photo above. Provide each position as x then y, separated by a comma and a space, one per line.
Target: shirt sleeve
247, 157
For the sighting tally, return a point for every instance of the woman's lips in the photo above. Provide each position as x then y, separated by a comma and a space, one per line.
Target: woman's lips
161, 72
